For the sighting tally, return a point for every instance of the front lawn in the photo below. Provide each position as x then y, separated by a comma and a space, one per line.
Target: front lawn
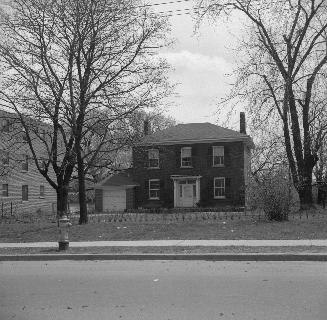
312, 228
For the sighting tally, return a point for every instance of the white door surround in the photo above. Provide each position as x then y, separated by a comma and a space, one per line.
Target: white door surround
186, 190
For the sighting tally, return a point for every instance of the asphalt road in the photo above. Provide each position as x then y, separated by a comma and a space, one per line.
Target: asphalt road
156, 290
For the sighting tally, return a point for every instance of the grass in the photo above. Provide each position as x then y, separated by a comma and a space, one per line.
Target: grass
313, 228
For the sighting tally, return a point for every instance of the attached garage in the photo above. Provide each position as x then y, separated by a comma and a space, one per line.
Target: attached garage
115, 193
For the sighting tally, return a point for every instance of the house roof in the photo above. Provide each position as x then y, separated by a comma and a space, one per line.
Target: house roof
119, 179
194, 132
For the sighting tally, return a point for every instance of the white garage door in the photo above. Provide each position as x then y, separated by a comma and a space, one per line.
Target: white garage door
114, 200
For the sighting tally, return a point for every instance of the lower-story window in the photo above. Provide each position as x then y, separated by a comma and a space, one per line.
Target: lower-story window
219, 188
154, 189
25, 192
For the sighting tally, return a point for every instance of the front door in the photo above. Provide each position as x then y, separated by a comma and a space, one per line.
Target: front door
186, 195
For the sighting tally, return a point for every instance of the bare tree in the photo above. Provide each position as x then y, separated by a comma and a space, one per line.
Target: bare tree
280, 76
62, 61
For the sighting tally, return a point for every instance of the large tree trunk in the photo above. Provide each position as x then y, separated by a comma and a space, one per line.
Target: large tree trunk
83, 219
62, 200
305, 187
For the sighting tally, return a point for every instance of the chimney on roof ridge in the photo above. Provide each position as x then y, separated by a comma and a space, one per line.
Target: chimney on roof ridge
146, 126
242, 123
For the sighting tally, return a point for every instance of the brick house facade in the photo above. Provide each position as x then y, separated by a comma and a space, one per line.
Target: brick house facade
196, 164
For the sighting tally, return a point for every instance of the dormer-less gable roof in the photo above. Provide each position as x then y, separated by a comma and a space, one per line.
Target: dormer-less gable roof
119, 179
195, 133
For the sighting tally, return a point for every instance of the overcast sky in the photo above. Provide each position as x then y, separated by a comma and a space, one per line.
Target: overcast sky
203, 63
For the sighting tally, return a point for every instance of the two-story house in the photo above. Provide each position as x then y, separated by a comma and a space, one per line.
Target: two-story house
188, 165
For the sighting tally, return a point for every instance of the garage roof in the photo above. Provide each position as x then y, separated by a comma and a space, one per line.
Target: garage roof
119, 179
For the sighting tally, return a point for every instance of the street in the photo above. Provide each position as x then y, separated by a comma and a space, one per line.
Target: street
167, 290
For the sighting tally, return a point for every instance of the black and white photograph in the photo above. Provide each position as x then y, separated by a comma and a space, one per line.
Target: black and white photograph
163, 159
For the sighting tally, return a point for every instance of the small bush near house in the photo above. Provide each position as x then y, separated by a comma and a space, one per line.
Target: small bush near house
273, 195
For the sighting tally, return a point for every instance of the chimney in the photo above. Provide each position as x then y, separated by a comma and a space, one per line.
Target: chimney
242, 123
146, 127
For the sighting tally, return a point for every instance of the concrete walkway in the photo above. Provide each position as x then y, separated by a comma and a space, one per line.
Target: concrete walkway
172, 243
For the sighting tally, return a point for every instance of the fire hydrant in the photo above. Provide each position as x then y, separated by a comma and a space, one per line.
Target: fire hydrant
63, 238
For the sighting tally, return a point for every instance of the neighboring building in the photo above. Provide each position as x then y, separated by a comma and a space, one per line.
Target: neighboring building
115, 193
23, 188
188, 165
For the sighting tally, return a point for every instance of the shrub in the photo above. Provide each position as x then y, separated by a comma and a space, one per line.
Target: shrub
272, 195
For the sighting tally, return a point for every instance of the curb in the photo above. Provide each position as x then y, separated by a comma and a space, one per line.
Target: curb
205, 257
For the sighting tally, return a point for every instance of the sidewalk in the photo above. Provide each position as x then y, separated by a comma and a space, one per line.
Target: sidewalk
173, 243
209, 250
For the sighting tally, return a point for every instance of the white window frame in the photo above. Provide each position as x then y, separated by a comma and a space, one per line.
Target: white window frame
186, 166
221, 157
154, 189
219, 187
5, 190
158, 157
25, 185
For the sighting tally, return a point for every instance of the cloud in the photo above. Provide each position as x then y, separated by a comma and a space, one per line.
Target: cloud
187, 61
202, 80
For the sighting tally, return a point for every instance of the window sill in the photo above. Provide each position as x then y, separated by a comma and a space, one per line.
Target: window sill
154, 198
40, 197
25, 200
185, 167
218, 165
220, 198
153, 168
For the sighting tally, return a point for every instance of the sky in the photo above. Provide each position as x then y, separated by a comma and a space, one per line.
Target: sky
202, 62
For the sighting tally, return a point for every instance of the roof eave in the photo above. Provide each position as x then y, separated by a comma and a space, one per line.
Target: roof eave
192, 141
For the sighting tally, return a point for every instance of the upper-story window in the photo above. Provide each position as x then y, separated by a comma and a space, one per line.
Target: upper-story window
6, 125
25, 163
25, 192
5, 189
153, 157
42, 164
5, 157
186, 157
218, 156
42, 191
24, 137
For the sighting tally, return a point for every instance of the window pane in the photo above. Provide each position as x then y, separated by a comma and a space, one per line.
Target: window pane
154, 184
5, 157
218, 155
153, 154
186, 152
25, 192
154, 193
153, 163
219, 182
218, 151
5, 190
154, 189
25, 163
41, 191
219, 187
